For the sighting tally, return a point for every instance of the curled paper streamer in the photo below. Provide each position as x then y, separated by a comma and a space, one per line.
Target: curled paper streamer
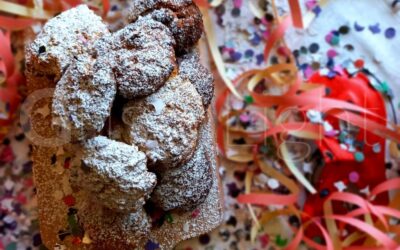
369, 221
9, 97
21, 10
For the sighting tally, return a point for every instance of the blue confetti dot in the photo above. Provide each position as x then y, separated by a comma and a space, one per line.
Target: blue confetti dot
256, 40
150, 245
260, 59
236, 56
37, 240
317, 10
390, 33
358, 27
304, 66
375, 29
330, 63
249, 53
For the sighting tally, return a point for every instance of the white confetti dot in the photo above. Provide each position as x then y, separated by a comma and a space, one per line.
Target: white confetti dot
273, 183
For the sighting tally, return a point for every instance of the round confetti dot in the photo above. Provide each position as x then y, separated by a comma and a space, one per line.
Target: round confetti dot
269, 17
328, 91
248, 99
354, 177
249, 53
274, 60
257, 21
317, 239
273, 183
332, 53
359, 156
204, 239
330, 64
244, 118
344, 29
349, 47
294, 221
235, 12
324, 193
224, 234
220, 10
296, 53
260, 59
335, 40
359, 64
315, 65
236, 56
376, 148
303, 50
314, 47
232, 221
328, 38
390, 33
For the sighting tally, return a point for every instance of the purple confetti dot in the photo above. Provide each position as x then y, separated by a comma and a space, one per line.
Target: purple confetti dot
354, 177
233, 190
12, 226
236, 56
37, 240
331, 73
358, 27
27, 167
17, 208
375, 29
390, 33
150, 245
260, 59
114, 8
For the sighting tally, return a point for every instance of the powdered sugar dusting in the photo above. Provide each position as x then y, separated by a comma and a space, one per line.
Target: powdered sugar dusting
175, 130
62, 38
116, 173
187, 186
143, 57
191, 68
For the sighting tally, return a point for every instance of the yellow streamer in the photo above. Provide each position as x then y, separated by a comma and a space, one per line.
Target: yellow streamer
295, 171
212, 43
20, 10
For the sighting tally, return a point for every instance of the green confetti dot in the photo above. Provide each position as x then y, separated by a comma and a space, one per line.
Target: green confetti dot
317, 240
11, 246
169, 218
280, 241
359, 156
335, 40
264, 149
248, 99
74, 226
